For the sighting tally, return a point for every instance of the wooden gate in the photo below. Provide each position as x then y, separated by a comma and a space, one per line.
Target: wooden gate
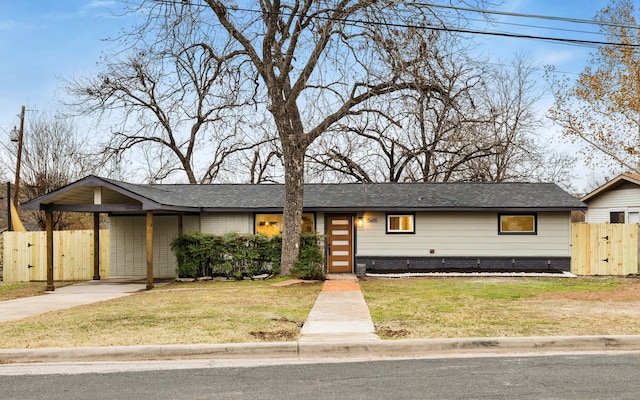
604, 249
25, 257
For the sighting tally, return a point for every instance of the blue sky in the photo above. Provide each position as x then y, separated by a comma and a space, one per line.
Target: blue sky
43, 41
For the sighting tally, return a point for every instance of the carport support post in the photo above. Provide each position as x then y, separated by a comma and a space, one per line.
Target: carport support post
49, 224
96, 246
149, 250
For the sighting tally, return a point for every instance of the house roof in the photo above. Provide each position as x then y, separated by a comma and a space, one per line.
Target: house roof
95, 194
612, 184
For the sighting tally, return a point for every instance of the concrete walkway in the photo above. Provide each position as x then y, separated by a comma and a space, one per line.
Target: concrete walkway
69, 296
339, 313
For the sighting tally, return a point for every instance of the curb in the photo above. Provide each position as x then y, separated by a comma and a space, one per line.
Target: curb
324, 349
151, 352
427, 347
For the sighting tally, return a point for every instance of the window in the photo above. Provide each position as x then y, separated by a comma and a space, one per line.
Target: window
272, 224
517, 224
616, 217
400, 223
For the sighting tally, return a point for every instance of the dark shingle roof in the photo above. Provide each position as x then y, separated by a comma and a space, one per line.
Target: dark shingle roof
388, 196
318, 197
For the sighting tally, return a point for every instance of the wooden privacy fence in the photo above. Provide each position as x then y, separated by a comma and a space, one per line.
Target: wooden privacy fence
604, 249
25, 256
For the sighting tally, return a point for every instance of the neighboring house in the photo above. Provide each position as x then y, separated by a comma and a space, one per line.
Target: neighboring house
616, 202
385, 226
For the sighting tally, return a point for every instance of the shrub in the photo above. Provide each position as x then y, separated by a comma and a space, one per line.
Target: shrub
310, 263
239, 255
193, 254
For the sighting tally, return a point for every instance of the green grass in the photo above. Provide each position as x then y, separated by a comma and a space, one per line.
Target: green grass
15, 290
484, 307
199, 312
245, 311
10, 291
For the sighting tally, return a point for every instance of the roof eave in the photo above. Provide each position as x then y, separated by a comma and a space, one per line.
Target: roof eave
610, 185
45, 202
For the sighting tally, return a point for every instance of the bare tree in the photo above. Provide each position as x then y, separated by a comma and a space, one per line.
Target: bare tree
265, 163
421, 135
309, 64
174, 102
522, 153
486, 131
54, 154
260, 164
602, 107
318, 62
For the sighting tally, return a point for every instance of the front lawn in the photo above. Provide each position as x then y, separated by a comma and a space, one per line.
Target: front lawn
488, 307
198, 312
10, 291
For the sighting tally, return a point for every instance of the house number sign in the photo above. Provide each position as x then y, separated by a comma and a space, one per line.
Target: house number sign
372, 220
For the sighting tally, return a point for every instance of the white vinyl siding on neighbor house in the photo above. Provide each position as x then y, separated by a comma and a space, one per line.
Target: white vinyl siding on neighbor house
129, 250
219, 223
625, 198
465, 234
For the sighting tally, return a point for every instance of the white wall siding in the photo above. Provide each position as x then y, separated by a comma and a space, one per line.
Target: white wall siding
220, 224
165, 229
624, 198
462, 234
128, 256
320, 223
191, 223
128, 246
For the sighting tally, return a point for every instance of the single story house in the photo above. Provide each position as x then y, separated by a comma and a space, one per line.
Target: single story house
383, 226
616, 202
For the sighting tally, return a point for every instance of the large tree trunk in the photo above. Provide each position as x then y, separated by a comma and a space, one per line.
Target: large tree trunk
293, 156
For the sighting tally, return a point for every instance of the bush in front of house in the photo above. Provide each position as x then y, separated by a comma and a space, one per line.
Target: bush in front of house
193, 254
310, 263
239, 255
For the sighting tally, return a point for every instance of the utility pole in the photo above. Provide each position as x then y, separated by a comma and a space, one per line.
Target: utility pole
16, 200
9, 222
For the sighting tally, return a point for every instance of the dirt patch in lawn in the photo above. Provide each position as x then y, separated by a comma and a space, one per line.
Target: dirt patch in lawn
449, 308
10, 291
629, 292
180, 313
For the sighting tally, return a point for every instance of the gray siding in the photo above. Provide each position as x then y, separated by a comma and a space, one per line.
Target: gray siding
320, 223
219, 223
449, 234
191, 223
464, 234
128, 256
624, 198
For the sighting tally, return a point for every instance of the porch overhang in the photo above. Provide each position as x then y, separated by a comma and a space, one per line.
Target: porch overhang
96, 195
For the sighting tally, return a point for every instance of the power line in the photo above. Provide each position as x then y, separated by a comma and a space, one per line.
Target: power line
583, 42
534, 16
542, 27
554, 39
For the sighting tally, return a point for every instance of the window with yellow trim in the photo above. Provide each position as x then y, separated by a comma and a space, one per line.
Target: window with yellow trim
272, 224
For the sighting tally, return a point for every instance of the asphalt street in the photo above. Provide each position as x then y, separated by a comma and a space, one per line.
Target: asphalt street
609, 375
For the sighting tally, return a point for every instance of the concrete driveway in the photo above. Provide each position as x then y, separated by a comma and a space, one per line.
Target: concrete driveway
70, 296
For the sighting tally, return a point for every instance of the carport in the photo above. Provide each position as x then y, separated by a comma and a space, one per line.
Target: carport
97, 196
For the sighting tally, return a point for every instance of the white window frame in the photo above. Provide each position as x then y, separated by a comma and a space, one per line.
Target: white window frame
627, 214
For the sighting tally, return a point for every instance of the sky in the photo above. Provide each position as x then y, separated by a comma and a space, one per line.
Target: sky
43, 42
